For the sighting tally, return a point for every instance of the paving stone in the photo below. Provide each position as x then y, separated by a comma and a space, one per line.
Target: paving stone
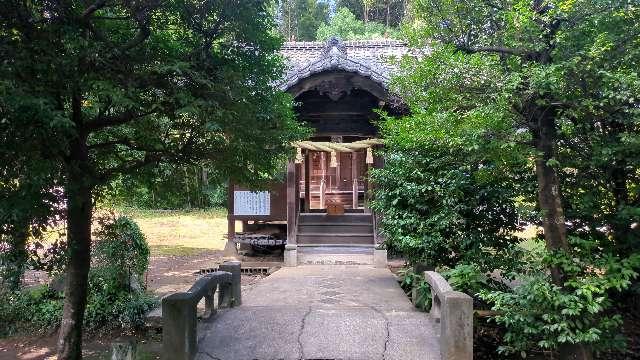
321, 312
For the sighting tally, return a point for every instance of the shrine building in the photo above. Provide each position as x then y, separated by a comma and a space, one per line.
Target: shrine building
322, 205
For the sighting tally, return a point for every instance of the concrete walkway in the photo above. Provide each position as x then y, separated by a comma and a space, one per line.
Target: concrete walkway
321, 312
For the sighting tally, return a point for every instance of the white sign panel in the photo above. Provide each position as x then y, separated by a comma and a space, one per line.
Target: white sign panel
251, 203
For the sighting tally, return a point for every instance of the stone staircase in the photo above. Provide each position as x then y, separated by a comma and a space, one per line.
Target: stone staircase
335, 239
340, 230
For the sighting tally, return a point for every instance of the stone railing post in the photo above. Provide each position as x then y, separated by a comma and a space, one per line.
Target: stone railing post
233, 267
456, 326
179, 310
454, 311
179, 327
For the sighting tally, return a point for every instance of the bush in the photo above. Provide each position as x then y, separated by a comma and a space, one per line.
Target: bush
444, 202
120, 253
411, 281
538, 314
43, 306
116, 290
117, 297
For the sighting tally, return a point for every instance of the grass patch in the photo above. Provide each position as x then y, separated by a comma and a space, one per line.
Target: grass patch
532, 244
529, 238
177, 250
181, 232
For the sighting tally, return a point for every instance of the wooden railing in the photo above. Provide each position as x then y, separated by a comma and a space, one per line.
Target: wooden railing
179, 310
454, 311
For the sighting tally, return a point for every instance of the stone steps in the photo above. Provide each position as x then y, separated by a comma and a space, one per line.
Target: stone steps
323, 229
337, 228
335, 255
323, 218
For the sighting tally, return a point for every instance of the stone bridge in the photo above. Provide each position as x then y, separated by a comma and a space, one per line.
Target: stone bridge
330, 312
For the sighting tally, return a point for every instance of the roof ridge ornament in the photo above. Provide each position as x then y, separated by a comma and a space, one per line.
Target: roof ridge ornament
335, 47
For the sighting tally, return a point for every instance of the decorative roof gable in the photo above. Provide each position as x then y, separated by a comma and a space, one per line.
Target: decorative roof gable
369, 58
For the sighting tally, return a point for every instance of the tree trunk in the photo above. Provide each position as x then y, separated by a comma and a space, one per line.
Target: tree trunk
621, 227
549, 196
79, 207
550, 199
17, 256
388, 6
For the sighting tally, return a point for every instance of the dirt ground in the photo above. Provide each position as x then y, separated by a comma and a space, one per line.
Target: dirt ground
167, 274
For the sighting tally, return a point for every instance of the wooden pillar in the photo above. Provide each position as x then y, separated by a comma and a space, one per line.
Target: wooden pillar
307, 182
230, 249
291, 203
354, 177
366, 186
298, 173
323, 181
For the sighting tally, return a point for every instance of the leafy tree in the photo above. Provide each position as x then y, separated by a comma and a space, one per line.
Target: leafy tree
103, 89
388, 12
560, 75
169, 186
446, 195
450, 182
300, 19
345, 25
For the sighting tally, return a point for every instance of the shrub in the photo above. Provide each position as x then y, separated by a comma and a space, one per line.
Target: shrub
538, 314
120, 259
467, 278
43, 306
442, 201
116, 292
120, 254
411, 281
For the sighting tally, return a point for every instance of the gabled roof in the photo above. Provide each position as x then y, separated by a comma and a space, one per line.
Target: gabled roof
369, 58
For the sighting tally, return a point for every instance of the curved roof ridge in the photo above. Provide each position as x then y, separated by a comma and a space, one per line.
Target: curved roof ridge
334, 63
349, 43
368, 58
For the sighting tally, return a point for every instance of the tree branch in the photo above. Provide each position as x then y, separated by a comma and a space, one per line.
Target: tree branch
99, 4
125, 142
493, 49
101, 122
129, 166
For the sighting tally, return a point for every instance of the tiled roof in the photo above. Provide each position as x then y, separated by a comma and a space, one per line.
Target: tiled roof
369, 58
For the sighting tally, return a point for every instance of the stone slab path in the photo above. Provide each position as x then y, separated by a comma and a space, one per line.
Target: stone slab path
321, 312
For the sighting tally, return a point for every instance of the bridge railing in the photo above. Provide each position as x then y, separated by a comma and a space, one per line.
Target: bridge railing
179, 310
454, 311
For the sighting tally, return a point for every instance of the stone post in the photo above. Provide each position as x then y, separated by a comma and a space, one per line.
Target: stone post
456, 326
179, 327
233, 267
291, 255
123, 349
379, 258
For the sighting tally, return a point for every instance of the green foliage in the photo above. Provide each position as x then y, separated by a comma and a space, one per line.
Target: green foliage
91, 93
299, 20
444, 198
467, 278
168, 187
43, 306
412, 282
539, 314
119, 252
116, 288
345, 25
499, 77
